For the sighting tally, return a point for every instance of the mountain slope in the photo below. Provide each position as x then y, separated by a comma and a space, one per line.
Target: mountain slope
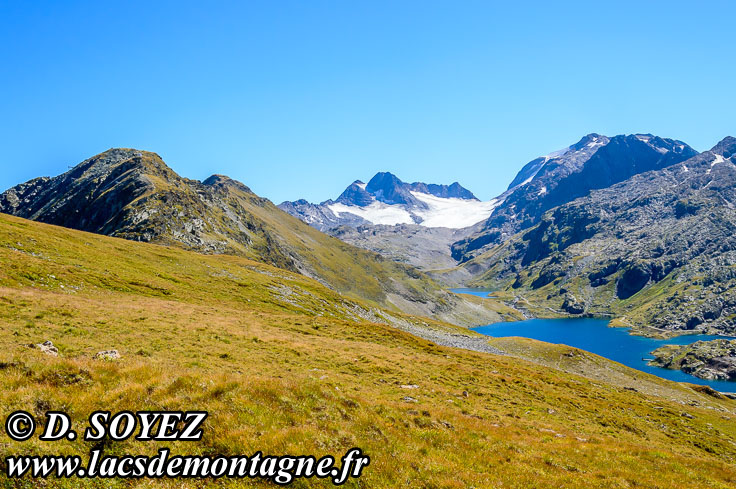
419, 246
594, 162
386, 200
132, 194
285, 365
658, 250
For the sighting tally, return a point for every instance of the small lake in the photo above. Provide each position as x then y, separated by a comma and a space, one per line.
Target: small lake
595, 336
478, 292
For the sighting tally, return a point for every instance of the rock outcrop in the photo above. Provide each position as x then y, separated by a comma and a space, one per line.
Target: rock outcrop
107, 355
711, 360
47, 347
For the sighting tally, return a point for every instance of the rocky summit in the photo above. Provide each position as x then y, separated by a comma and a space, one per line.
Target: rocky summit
592, 163
133, 194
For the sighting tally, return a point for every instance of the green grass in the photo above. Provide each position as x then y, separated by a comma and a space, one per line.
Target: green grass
284, 365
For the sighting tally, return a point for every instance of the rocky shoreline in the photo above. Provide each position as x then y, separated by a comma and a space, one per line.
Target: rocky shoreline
710, 360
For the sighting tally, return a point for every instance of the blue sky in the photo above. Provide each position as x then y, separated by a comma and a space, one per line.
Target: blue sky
298, 99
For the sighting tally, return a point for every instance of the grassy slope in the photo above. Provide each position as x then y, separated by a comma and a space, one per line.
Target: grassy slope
355, 272
283, 366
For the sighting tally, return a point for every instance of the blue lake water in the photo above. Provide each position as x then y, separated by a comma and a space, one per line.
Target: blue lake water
595, 336
478, 292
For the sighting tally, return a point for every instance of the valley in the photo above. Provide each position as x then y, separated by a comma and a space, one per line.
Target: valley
345, 324
286, 365
635, 228
399, 245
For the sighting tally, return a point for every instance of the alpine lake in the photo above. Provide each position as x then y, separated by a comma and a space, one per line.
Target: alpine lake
596, 336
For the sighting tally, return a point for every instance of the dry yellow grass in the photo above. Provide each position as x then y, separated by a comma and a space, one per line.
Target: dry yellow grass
284, 366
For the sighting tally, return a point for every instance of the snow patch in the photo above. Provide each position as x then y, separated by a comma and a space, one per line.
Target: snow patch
376, 212
532, 177
453, 213
440, 212
596, 143
557, 154
718, 159
659, 149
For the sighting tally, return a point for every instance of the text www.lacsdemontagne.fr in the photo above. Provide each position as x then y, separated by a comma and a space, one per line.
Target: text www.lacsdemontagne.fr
279, 469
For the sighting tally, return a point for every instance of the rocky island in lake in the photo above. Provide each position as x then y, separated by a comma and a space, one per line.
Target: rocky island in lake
710, 360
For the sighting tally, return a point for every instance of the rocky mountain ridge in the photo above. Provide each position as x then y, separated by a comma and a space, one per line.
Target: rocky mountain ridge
388, 188
134, 195
391, 217
594, 162
387, 200
657, 250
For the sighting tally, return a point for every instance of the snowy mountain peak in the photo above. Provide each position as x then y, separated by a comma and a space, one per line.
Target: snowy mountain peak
355, 194
581, 150
594, 162
726, 147
388, 188
387, 200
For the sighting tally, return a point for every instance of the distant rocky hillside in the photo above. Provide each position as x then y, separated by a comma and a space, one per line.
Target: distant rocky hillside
418, 246
594, 162
134, 195
658, 250
386, 200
